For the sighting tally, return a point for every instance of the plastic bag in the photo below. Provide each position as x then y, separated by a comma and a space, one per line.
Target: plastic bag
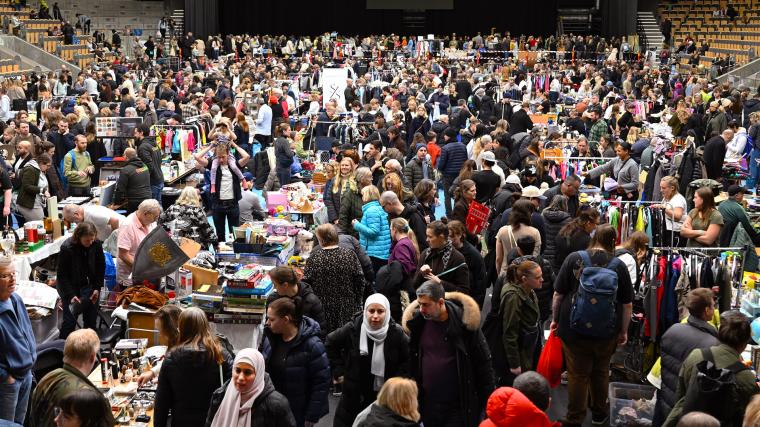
550, 362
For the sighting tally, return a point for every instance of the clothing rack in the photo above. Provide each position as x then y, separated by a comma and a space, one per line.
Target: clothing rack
640, 202
576, 158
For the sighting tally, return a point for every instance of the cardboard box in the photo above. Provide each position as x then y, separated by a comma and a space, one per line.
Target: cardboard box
202, 276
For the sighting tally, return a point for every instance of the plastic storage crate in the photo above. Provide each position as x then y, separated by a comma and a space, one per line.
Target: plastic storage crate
631, 403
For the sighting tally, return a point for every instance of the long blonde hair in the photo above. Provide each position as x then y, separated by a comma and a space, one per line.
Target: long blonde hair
340, 181
400, 396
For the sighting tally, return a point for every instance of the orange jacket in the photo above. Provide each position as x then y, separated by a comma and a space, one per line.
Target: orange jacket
509, 407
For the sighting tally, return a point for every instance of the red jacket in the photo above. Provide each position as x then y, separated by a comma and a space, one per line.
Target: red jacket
509, 407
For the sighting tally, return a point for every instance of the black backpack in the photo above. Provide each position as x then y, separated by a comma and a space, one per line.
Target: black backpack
714, 391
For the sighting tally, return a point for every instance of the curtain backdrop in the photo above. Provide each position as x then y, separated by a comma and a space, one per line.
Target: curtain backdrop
538, 17
202, 16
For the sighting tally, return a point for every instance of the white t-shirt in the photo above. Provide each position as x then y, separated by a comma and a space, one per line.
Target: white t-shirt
100, 216
630, 264
678, 201
225, 187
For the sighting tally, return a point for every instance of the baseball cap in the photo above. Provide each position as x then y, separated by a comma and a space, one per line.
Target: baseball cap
532, 192
488, 156
733, 190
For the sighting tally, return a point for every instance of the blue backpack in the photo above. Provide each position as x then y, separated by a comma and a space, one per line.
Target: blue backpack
593, 311
64, 180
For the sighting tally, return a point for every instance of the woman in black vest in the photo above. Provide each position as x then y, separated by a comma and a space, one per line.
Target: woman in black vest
226, 191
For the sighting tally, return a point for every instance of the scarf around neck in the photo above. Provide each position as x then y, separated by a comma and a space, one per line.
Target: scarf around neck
235, 409
377, 336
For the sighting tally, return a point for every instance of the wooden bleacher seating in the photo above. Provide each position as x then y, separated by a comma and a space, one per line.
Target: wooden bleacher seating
32, 35
84, 60
695, 19
9, 66
67, 53
50, 43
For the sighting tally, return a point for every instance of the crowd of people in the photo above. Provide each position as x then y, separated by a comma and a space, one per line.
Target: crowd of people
387, 310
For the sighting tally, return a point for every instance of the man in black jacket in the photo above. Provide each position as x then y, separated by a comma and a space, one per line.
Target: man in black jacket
133, 185
448, 356
150, 154
520, 121
678, 342
410, 212
81, 269
715, 153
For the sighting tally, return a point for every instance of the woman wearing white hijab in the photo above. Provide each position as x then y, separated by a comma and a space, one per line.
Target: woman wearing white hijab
364, 353
249, 398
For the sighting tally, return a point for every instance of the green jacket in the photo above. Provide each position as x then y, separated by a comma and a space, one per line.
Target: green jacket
350, 209
29, 190
520, 317
82, 162
733, 215
724, 356
52, 389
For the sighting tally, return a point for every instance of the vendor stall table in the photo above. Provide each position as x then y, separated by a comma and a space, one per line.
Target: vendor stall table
96, 378
23, 262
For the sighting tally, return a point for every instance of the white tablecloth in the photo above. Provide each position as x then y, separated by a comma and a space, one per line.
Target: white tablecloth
23, 262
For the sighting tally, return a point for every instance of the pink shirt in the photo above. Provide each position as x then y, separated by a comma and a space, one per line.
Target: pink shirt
131, 233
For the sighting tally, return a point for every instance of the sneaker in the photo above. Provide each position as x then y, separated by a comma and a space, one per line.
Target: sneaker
600, 420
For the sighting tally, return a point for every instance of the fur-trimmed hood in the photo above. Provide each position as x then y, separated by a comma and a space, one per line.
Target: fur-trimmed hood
470, 312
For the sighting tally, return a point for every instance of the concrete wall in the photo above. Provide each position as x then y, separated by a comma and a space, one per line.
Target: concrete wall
114, 14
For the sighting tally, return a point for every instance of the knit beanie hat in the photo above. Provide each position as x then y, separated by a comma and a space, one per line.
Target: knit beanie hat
420, 145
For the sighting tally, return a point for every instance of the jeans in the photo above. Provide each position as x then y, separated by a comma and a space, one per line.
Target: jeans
283, 175
588, 375
89, 314
155, 191
754, 169
229, 211
447, 181
14, 398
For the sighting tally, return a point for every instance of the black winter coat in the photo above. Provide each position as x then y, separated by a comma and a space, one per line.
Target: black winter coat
474, 369
311, 306
332, 202
270, 409
677, 343
306, 379
343, 351
380, 416
554, 220
187, 381
79, 268
133, 185
457, 280
477, 269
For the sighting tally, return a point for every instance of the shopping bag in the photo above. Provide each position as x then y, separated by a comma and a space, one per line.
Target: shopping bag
477, 217
550, 362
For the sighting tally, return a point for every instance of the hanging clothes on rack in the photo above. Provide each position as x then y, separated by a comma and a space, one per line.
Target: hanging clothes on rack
670, 273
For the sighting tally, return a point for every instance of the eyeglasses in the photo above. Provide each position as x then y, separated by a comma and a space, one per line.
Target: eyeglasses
8, 276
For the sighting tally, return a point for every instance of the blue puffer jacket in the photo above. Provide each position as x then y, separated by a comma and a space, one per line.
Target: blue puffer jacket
19, 349
374, 230
453, 156
305, 379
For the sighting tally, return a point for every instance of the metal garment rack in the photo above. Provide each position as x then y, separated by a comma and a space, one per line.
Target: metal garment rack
640, 202
701, 252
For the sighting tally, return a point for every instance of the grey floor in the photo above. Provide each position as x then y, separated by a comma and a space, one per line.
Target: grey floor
556, 411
